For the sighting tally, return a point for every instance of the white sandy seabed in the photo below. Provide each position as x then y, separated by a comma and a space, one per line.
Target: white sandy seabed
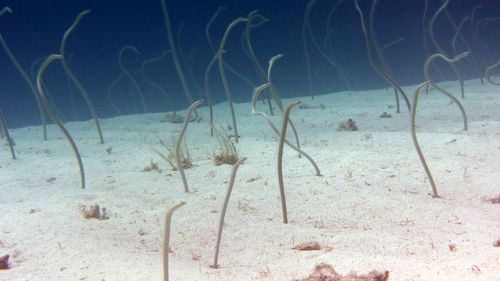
371, 209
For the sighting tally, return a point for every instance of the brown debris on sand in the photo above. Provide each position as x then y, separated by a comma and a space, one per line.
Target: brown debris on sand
325, 272
4, 262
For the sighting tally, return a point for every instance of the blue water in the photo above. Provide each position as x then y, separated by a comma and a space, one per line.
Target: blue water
35, 28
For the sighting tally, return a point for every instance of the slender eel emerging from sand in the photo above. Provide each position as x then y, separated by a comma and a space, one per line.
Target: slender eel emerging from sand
54, 117
5, 134
227, 90
255, 20
29, 82
305, 47
208, 93
275, 95
434, 41
414, 137
178, 145
5, 10
166, 240
371, 60
281, 144
153, 83
428, 63
110, 90
255, 97
130, 77
72, 76
488, 73
175, 55
224, 208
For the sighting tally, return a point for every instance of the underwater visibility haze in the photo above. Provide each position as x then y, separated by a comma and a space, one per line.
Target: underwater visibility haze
250, 140
35, 29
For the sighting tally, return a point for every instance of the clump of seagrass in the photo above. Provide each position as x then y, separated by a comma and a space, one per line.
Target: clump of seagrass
53, 115
312, 106
227, 153
325, 272
152, 166
492, 200
166, 240
496, 243
308, 246
385, 115
348, 125
224, 208
174, 118
94, 211
186, 161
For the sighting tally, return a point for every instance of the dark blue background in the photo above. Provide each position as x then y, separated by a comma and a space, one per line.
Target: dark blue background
35, 30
